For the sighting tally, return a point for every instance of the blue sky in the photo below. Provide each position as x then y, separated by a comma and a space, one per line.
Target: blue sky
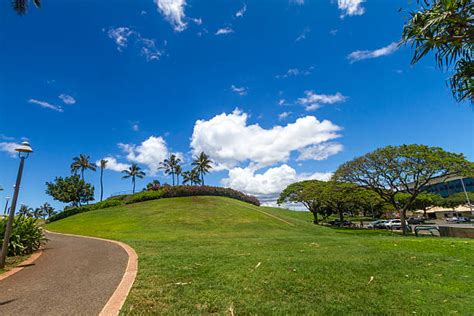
274, 91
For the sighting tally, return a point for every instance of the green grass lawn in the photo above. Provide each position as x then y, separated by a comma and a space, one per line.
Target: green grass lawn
202, 255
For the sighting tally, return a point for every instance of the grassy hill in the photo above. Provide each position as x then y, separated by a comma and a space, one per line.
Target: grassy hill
202, 255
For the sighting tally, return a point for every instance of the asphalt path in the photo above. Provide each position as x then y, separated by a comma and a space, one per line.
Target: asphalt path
73, 276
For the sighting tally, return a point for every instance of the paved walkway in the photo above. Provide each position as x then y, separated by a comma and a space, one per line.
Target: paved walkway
73, 276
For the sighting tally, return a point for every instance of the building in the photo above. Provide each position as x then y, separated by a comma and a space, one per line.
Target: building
447, 186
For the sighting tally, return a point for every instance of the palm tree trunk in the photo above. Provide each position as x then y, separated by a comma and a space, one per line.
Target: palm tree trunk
101, 184
133, 181
172, 176
202, 178
82, 174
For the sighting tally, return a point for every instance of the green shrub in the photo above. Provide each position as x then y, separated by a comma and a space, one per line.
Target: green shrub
184, 190
120, 197
85, 208
26, 236
144, 196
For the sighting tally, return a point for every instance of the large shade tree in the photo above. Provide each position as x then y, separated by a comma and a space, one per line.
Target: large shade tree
203, 164
133, 172
81, 164
309, 193
71, 189
445, 27
406, 168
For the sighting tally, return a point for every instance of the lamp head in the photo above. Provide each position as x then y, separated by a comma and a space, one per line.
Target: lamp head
24, 149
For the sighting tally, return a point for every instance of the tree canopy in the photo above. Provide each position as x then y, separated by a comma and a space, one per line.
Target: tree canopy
71, 189
446, 28
401, 169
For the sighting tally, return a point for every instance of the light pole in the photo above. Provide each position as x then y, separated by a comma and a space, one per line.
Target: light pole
6, 206
23, 151
467, 196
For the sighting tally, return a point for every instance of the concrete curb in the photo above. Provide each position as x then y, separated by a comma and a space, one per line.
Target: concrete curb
116, 301
22, 265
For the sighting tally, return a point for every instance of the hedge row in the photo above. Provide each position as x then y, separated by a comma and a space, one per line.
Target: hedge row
162, 193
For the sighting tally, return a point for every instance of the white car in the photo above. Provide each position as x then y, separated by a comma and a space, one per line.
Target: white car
396, 224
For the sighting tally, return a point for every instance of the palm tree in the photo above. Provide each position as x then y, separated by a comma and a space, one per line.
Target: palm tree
178, 171
46, 210
445, 28
102, 165
25, 211
191, 177
202, 164
81, 163
21, 6
134, 171
169, 165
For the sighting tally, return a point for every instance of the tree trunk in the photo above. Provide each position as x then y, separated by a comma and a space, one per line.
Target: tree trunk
341, 219
101, 184
402, 219
133, 181
82, 174
315, 214
202, 178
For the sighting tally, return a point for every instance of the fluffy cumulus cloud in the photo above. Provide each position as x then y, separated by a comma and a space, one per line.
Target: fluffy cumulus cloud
150, 153
230, 141
369, 54
9, 148
350, 7
46, 105
173, 11
67, 99
320, 151
313, 101
267, 185
113, 164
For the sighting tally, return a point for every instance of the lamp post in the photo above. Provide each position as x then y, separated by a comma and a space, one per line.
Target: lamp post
23, 151
467, 196
6, 206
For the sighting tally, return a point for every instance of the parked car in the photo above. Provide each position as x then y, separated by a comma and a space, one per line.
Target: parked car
337, 222
378, 224
415, 220
396, 224
459, 219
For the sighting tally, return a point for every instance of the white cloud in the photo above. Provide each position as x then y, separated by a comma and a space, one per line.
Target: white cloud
303, 34
297, 2
241, 12
267, 185
120, 36
313, 101
281, 102
230, 141
46, 105
135, 126
224, 31
350, 7
150, 153
239, 90
320, 151
113, 164
284, 115
9, 148
5, 137
147, 47
173, 11
368, 54
293, 72
67, 99
149, 50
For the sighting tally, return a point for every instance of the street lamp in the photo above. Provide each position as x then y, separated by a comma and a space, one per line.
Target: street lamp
6, 206
24, 151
